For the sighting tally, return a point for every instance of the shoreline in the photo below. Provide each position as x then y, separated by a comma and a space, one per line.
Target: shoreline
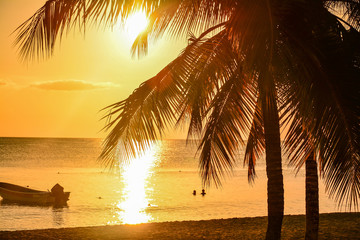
332, 226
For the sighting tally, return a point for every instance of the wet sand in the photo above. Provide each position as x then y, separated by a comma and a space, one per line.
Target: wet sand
332, 226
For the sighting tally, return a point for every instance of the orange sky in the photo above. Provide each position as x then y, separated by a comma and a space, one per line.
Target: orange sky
62, 96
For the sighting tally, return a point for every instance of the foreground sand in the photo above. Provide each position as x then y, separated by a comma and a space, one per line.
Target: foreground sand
332, 226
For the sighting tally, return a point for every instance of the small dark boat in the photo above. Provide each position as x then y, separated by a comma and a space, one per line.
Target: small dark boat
15, 193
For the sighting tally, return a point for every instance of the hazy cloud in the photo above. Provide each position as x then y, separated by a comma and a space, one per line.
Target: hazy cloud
73, 85
2, 83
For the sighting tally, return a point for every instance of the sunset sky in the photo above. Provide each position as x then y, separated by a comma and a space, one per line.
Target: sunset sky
62, 96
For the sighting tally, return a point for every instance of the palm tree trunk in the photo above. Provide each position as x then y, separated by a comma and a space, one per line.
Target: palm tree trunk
312, 198
273, 158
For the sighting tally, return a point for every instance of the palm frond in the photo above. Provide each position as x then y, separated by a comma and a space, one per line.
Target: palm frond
340, 119
349, 11
326, 105
142, 117
229, 120
37, 36
212, 60
255, 146
145, 113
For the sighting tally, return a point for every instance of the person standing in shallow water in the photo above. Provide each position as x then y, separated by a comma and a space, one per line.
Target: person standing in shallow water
203, 192
194, 192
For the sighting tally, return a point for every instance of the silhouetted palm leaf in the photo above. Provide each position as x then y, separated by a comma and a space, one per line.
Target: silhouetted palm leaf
255, 146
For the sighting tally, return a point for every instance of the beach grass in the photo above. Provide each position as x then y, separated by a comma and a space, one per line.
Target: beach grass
332, 226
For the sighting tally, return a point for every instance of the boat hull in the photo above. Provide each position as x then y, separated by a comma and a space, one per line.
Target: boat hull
14, 193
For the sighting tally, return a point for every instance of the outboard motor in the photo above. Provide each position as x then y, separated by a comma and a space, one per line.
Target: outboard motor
58, 192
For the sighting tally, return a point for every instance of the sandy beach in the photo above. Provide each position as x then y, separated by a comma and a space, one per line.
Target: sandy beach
332, 226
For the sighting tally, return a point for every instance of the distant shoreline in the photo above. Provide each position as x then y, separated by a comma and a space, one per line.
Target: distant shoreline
100, 138
332, 226
39, 137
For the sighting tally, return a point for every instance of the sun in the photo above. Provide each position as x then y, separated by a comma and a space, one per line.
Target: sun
135, 24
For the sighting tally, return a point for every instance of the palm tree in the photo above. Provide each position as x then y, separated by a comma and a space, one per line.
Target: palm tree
251, 60
342, 66
312, 198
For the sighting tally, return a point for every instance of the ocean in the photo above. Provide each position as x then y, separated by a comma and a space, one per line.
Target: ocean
156, 187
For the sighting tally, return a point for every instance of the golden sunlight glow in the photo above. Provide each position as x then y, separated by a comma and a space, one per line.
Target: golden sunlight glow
136, 201
135, 24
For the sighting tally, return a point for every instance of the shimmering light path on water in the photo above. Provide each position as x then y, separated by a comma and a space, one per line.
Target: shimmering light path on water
136, 192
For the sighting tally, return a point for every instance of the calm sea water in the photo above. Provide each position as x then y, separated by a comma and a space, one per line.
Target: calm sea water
154, 188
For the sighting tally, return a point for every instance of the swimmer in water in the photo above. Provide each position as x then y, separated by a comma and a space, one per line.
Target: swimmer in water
203, 192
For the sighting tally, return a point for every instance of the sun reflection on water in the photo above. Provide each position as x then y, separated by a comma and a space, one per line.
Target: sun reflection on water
136, 175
